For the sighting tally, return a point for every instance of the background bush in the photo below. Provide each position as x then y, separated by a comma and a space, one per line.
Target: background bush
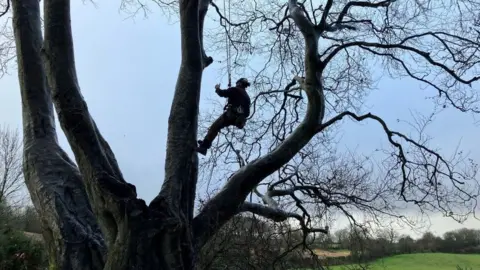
18, 251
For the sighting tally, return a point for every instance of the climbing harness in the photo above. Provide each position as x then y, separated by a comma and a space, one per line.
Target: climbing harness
227, 42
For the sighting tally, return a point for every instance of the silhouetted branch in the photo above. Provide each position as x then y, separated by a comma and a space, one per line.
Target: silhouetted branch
277, 215
400, 45
351, 4
6, 8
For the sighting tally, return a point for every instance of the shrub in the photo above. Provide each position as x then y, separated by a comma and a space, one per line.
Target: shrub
19, 252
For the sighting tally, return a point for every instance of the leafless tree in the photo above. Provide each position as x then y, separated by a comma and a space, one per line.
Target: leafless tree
321, 181
251, 242
11, 176
75, 201
7, 46
409, 41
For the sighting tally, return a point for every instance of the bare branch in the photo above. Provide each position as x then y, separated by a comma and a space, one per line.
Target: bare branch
278, 215
351, 4
400, 45
328, 6
464, 105
408, 178
6, 8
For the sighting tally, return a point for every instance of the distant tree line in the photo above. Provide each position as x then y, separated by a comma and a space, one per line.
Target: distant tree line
18, 250
19, 218
250, 242
366, 246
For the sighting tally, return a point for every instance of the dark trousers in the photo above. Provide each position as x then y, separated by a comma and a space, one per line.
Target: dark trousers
228, 118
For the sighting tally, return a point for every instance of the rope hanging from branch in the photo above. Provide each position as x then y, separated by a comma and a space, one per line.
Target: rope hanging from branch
227, 41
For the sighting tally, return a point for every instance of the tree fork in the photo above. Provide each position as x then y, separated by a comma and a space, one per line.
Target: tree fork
70, 229
137, 237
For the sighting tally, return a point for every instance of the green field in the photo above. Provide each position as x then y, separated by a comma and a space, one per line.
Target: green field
424, 261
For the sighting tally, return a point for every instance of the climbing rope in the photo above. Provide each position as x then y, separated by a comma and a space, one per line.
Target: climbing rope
227, 41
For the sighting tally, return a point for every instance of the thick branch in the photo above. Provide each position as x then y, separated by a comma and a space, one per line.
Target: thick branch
72, 235
298, 16
181, 164
274, 214
277, 215
177, 196
328, 6
203, 8
110, 195
266, 198
225, 204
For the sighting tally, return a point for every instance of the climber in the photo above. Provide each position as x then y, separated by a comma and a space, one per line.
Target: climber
235, 113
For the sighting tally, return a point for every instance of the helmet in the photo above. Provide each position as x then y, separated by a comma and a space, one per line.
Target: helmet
244, 82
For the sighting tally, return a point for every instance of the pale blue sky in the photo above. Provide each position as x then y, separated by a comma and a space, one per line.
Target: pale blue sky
127, 71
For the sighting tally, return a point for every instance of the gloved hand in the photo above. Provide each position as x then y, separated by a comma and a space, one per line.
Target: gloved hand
217, 87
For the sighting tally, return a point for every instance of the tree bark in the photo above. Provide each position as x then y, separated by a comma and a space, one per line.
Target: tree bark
181, 165
108, 192
163, 235
71, 232
137, 240
158, 237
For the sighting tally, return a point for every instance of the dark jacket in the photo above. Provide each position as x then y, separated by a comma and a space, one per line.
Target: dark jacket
237, 97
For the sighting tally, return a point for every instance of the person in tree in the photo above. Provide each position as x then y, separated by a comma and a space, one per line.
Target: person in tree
235, 112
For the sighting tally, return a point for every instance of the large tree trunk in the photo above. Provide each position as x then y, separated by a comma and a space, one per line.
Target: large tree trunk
148, 248
71, 233
162, 235
138, 237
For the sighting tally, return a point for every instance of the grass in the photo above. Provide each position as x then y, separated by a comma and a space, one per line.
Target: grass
423, 261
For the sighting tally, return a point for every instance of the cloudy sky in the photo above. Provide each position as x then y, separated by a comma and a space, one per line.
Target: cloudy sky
127, 70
